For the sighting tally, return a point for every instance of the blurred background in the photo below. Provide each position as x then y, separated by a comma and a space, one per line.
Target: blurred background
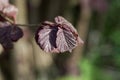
98, 24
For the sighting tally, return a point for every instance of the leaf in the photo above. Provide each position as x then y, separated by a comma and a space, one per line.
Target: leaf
10, 11
3, 3
57, 37
16, 33
5, 37
7, 10
66, 41
65, 24
45, 37
9, 34
69, 27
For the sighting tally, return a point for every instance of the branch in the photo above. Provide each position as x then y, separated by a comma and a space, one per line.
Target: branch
12, 22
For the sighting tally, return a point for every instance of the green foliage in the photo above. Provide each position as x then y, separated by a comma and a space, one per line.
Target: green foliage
115, 37
92, 72
112, 18
86, 69
70, 78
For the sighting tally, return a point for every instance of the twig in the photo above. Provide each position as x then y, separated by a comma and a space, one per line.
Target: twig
6, 18
12, 22
31, 25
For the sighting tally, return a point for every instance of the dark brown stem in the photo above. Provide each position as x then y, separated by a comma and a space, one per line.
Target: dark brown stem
31, 25
6, 18
12, 22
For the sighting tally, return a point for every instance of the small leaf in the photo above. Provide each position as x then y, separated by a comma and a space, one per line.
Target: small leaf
7, 10
9, 34
5, 37
57, 37
46, 37
69, 27
11, 12
16, 33
66, 41
3, 3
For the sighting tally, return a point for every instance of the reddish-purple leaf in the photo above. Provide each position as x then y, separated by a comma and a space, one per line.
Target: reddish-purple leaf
69, 27
5, 39
57, 37
16, 33
46, 37
9, 34
8, 10
66, 41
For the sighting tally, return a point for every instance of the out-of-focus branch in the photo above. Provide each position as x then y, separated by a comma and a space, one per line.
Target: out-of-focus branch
1, 49
1, 76
82, 27
23, 52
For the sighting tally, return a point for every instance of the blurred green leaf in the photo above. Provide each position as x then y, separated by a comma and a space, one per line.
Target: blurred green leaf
70, 78
115, 37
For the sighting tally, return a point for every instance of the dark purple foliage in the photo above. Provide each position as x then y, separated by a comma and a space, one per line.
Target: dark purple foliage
1, 19
9, 34
16, 33
5, 39
57, 37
